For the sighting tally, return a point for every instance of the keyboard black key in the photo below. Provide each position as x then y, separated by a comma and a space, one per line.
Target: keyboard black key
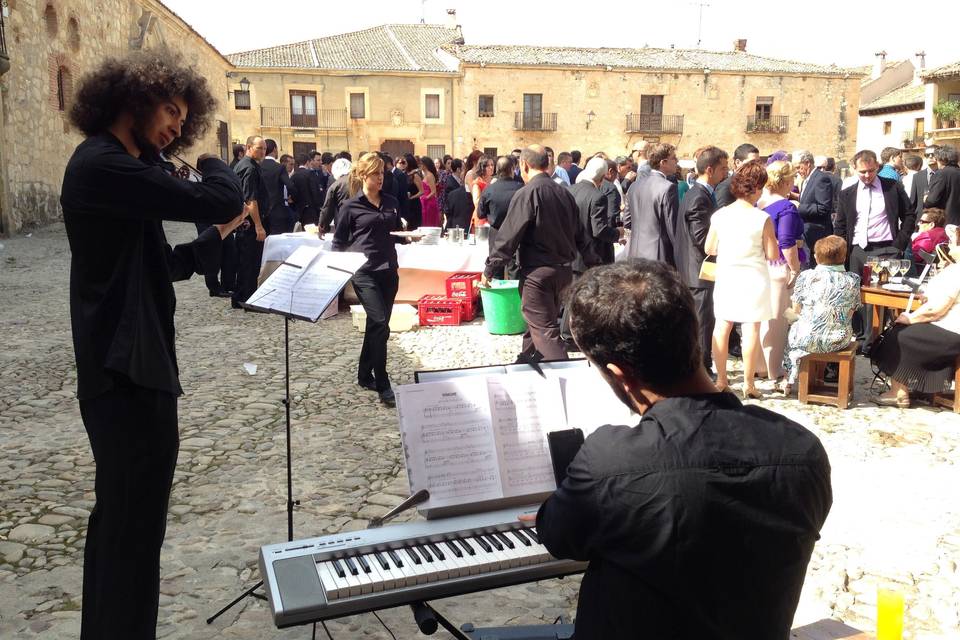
351, 566
341, 572
363, 564
522, 538
466, 546
532, 534
505, 540
492, 540
413, 555
383, 561
483, 544
452, 545
397, 562
423, 551
436, 551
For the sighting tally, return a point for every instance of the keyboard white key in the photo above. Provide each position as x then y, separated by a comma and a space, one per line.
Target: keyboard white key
331, 589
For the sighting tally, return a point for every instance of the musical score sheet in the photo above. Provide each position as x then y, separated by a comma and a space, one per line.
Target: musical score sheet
480, 438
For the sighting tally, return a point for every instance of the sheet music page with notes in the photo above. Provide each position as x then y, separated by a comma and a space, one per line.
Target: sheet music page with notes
479, 438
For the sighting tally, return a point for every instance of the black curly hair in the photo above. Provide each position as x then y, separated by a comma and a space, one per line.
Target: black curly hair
137, 83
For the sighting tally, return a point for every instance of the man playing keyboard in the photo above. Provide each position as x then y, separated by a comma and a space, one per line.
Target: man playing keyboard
699, 521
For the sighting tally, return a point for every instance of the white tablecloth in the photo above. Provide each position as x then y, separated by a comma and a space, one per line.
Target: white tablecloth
440, 257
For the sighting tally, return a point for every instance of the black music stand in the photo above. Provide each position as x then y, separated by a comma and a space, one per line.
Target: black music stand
288, 315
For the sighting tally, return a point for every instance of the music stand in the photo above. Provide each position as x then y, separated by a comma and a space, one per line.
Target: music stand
271, 297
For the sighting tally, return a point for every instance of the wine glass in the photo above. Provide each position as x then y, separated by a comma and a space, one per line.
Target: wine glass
872, 262
905, 267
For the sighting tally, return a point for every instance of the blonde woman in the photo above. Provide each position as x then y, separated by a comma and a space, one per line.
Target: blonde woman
788, 227
365, 223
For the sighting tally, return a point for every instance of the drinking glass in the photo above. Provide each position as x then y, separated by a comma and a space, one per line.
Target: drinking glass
905, 267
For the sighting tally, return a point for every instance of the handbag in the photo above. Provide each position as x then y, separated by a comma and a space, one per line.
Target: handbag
708, 269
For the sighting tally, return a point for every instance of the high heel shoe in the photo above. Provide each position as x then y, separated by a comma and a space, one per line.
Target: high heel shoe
751, 394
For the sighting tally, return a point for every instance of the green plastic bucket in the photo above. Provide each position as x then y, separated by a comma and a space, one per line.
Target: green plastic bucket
501, 307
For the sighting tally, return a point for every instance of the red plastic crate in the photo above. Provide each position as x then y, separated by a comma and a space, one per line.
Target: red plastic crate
439, 310
464, 285
469, 308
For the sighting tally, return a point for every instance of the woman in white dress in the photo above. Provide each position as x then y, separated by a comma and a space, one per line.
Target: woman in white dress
742, 238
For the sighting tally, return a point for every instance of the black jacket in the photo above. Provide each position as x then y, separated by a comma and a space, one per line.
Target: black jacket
495, 201
275, 178
944, 192
693, 223
598, 235
458, 209
121, 269
919, 188
816, 202
722, 193
899, 214
336, 196
310, 193
698, 523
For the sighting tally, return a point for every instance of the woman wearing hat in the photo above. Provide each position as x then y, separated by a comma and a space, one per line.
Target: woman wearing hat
920, 351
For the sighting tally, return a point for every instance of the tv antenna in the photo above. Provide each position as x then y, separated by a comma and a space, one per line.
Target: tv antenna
700, 6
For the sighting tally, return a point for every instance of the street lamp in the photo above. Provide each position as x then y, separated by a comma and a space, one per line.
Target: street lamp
590, 116
244, 84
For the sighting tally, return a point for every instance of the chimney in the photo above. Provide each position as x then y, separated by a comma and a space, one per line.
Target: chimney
878, 64
451, 18
740, 45
919, 68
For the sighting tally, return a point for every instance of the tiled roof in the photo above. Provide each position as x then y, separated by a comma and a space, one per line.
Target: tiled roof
646, 58
907, 95
867, 71
391, 47
946, 71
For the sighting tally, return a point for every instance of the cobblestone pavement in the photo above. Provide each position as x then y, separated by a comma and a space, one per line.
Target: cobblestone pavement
895, 519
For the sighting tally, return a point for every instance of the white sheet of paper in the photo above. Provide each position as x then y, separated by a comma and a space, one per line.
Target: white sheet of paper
304, 285
524, 408
590, 402
344, 260
448, 441
303, 256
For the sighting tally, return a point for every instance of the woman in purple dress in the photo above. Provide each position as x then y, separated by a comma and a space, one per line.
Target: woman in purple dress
788, 226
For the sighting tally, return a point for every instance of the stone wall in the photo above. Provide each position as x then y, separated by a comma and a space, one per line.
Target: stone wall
822, 110
52, 44
394, 110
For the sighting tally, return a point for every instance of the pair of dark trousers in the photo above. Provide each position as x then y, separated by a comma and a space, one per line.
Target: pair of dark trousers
541, 293
226, 277
703, 305
282, 219
858, 258
376, 290
249, 253
812, 232
134, 438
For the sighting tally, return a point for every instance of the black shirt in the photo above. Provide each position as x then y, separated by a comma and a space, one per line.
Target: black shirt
364, 227
697, 523
541, 225
121, 297
254, 189
337, 194
495, 201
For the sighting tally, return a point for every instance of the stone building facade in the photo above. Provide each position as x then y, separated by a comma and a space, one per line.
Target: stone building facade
51, 44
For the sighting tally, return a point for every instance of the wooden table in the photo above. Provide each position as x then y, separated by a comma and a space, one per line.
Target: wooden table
882, 299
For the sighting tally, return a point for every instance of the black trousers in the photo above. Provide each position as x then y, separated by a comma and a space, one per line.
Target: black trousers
812, 232
249, 253
134, 438
541, 293
281, 219
377, 290
226, 279
703, 305
858, 258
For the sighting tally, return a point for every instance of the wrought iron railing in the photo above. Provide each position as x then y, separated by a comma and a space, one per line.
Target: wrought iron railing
527, 121
654, 123
773, 124
330, 119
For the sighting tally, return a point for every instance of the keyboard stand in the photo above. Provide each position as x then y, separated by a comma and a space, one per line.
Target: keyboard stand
427, 619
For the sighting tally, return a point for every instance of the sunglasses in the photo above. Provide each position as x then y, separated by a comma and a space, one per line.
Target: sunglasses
922, 221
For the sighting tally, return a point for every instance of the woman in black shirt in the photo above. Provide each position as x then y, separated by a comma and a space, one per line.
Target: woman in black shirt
365, 223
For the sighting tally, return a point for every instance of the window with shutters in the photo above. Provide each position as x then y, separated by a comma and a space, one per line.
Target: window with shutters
436, 151
431, 106
485, 106
303, 108
490, 152
651, 105
764, 109
358, 105
887, 127
241, 100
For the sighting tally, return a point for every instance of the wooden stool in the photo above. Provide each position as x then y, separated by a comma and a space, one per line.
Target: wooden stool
812, 388
948, 400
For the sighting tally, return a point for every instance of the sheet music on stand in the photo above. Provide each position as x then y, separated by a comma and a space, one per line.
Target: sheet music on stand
478, 442
306, 283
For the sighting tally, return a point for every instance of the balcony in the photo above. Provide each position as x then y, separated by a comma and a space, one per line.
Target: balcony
524, 121
774, 124
4, 58
281, 118
654, 123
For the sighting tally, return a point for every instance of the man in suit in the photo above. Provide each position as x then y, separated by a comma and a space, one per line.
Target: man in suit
454, 178
921, 181
308, 187
816, 202
653, 206
829, 167
495, 202
944, 190
875, 219
611, 193
741, 155
278, 186
458, 209
693, 223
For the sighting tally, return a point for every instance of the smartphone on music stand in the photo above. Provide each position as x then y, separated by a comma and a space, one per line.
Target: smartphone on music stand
564, 446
